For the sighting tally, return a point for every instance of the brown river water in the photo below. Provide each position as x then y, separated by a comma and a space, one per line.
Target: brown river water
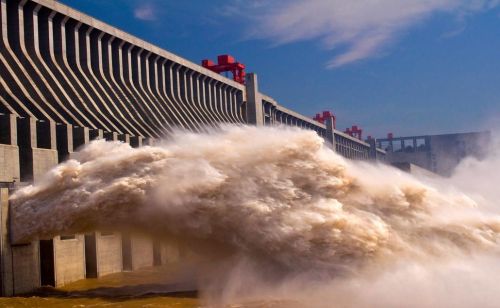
147, 287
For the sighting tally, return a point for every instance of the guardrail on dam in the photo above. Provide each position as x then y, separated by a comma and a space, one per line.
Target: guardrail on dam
67, 78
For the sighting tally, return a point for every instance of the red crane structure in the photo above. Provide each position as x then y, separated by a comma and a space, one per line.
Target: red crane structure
322, 117
225, 63
355, 132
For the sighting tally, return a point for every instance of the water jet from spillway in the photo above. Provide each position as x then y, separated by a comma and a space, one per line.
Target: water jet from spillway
273, 196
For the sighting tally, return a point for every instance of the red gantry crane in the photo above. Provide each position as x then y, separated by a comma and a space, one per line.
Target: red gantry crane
322, 117
355, 132
225, 63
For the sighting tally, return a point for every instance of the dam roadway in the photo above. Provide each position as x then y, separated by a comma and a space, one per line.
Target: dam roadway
67, 78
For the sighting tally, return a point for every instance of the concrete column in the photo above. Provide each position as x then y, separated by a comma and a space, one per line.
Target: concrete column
96, 134
170, 252
64, 136
69, 256
137, 251
8, 129
415, 144
403, 145
35, 161
330, 133
19, 263
372, 152
136, 141
125, 138
9, 151
46, 135
148, 141
110, 136
26, 129
103, 253
80, 137
254, 101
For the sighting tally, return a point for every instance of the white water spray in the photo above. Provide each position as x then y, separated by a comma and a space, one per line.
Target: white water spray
272, 195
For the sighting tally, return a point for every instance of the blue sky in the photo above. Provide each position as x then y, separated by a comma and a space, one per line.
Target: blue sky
410, 67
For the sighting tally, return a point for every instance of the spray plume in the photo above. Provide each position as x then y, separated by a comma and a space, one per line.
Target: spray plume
273, 195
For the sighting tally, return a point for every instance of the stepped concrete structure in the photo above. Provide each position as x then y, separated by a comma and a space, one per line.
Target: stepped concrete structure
66, 79
439, 154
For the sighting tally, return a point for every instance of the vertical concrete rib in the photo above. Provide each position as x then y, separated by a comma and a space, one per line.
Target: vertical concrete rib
62, 56
187, 92
3, 99
160, 87
41, 82
40, 38
240, 105
45, 51
91, 54
184, 88
144, 79
11, 100
226, 90
114, 67
209, 94
22, 86
123, 70
216, 100
80, 56
232, 105
178, 94
194, 97
223, 102
172, 86
219, 100
103, 55
202, 99
54, 35
129, 70
136, 82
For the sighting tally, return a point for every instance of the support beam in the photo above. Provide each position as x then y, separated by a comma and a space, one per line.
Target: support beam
254, 101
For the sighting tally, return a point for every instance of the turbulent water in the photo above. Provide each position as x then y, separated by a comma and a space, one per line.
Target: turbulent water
293, 218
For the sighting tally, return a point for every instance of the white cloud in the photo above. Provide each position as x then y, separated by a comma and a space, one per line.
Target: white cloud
144, 12
362, 28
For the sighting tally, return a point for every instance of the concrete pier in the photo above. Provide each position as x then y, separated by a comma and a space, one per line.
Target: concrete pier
19, 263
103, 253
137, 251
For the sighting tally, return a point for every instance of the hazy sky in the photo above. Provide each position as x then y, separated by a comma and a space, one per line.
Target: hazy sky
402, 66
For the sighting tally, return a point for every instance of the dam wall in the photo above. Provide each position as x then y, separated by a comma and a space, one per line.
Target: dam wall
69, 73
66, 79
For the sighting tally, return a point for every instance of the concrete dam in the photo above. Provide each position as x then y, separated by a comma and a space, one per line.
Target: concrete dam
66, 79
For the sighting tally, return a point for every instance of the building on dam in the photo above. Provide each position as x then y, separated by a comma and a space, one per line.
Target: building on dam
67, 78
439, 154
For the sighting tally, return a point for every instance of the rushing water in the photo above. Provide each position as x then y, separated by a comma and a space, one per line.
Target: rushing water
276, 214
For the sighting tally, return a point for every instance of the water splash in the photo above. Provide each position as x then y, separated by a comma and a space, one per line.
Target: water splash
276, 195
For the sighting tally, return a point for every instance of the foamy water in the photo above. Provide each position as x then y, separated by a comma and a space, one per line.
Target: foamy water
276, 198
